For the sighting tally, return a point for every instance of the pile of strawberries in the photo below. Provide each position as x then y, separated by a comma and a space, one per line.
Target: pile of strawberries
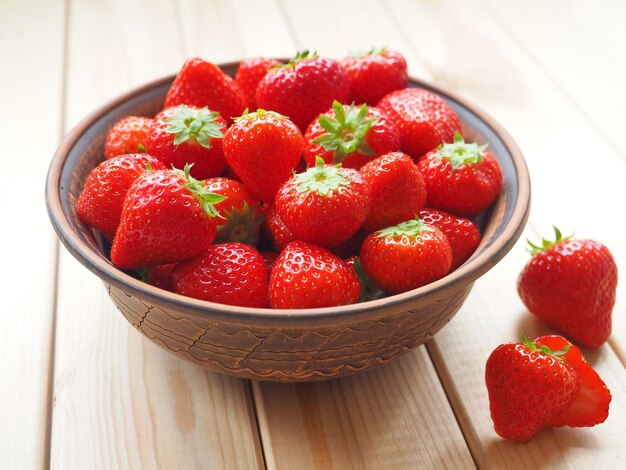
314, 183
319, 183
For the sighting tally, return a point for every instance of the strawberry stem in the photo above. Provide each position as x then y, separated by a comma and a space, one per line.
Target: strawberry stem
346, 134
459, 152
545, 244
545, 349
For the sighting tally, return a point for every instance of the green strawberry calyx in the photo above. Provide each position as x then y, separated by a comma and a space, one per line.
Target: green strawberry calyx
321, 178
460, 152
241, 225
545, 349
545, 244
190, 125
246, 116
371, 51
346, 133
207, 199
299, 57
369, 289
411, 228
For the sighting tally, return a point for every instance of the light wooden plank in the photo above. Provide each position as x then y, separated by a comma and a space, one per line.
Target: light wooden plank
120, 401
592, 70
395, 416
30, 125
503, 80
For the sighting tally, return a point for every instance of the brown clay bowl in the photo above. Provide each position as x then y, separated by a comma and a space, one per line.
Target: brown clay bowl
282, 345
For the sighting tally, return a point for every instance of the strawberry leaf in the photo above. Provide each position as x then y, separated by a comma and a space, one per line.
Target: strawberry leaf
545, 244
196, 126
207, 199
410, 228
459, 152
322, 178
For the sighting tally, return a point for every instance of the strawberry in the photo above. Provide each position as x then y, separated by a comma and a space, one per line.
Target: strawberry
303, 88
100, 204
167, 217
158, 275
249, 73
263, 148
462, 234
308, 276
270, 258
398, 190
591, 406
529, 385
349, 135
325, 205
276, 229
200, 83
228, 273
186, 135
241, 215
570, 284
461, 178
406, 256
423, 119
128, 135
375, 74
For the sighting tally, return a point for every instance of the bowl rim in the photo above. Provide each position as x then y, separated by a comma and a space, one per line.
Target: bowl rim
96, 263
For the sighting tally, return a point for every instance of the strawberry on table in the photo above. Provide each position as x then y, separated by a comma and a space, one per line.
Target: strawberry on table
128, 135
406, 256
167, 217
591, 406
570, 284
263, 148
186, 135
227, 273
398, 190
308, 276
350, 135
462, 234
423, 119
529, 386
374, 74
461, 178
100, 204
240, 211
200, 83
325, 205
303, 88
249, 73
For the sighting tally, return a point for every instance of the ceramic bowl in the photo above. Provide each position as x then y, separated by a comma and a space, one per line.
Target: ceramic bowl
282, 345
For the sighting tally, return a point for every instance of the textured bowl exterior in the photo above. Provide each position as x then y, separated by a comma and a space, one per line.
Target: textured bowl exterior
281, 345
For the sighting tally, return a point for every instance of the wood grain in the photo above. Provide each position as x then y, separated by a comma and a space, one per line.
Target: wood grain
30, 126
121, 402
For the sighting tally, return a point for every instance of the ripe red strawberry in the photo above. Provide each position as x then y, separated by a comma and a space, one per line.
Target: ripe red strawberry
423, 119
128, 135
398, 190
591, 406
349, 135
406, 256
159, 275
529, 386
461, 178
303, 88
185, 135
100, 204
270, 258
462, 234
570, 284
242, 215
228, 273
200, 83
249, 74
263, 148
325, 205
374, 74
167, 217
308, 276
276, 229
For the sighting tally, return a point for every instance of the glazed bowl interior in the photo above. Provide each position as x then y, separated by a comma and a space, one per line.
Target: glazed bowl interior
82, 150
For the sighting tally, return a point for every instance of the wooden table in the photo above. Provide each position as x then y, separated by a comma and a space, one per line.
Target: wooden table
80, 389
